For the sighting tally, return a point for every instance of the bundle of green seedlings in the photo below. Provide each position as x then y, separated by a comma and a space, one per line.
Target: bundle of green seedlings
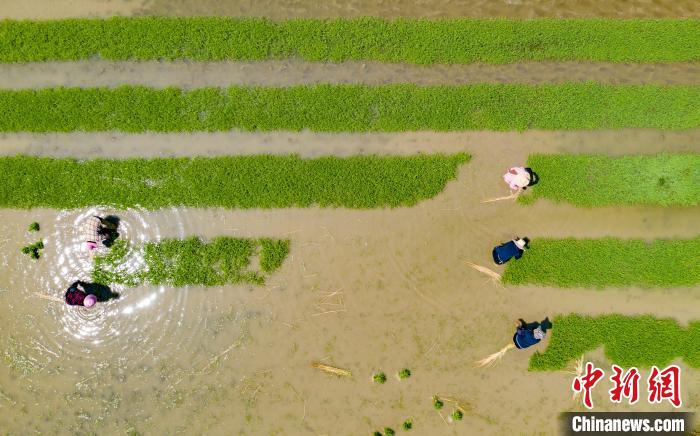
192, 261
351, 108
257, 181
639, 341
33, 250
596, 180
607, 262
33, 227
416, 41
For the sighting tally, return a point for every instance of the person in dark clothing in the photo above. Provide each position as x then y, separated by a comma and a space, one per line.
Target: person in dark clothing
76, 295
529, 334
508, 250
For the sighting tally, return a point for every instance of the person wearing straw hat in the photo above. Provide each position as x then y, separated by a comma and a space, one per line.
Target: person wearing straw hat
511, 249
519, 178
529, 334
77, 296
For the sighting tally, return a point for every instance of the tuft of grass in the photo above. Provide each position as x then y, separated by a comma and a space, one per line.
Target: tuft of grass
607, 262
258, 181
418, 41
407, 424
596, 180
379, 378
437, 403
640, 341
33, 227
174, 262
33, 250
457, 415
404, 373
389, 431
352, 108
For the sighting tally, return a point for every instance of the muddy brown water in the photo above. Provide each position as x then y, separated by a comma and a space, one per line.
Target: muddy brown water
281, 9
365, 290
290, 72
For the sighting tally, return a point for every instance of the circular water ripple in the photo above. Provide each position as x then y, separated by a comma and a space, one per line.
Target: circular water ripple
140, 320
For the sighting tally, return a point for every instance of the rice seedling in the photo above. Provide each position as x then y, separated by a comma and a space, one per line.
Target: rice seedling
389, 431
437, 403
640, 341
606, 262
258, 181
351, 108
407, 424
597, 180
418, 41
33, 250
404, 374
457, 415
379, 378
33, 227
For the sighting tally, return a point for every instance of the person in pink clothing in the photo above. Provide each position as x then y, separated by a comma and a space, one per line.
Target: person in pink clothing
519, 178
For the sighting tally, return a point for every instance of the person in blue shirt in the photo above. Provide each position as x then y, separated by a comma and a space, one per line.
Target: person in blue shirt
529, 334
511, 249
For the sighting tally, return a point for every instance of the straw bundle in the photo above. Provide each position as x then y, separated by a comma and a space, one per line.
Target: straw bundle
331, 369
492, 359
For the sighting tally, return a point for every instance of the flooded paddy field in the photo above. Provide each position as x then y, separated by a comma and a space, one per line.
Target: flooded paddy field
365, 290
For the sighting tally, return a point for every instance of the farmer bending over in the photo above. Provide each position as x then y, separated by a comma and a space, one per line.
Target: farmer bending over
519, 178
511, 249
529, 334
77, 296
98, 231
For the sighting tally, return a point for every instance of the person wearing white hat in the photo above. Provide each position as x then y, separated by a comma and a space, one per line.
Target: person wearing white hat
511, 249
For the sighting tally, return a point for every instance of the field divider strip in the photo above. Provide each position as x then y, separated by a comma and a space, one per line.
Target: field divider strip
189, 75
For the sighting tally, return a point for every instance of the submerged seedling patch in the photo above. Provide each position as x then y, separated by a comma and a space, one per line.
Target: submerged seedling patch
410, 40
597, 180
257, 181
639, 341
351, 108
192, 261
607, 262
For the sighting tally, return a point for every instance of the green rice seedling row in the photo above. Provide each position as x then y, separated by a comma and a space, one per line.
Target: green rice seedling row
640, 341
417, 41
596, 180
607, 262
258, 181
351, 108
192, 261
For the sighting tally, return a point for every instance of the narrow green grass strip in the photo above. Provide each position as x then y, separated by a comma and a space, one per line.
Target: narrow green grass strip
640, 341
607, 262
258, 181
192, 261
415, 41
594, 180
352, 108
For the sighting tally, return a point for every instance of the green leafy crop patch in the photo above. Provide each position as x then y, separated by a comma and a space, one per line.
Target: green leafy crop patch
640, 341
257, 181
352, 108
417, 41
596, 180
607, 262
192, 261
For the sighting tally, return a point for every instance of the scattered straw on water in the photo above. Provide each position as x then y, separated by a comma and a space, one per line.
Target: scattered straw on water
494, 358
331, 369
482, 269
